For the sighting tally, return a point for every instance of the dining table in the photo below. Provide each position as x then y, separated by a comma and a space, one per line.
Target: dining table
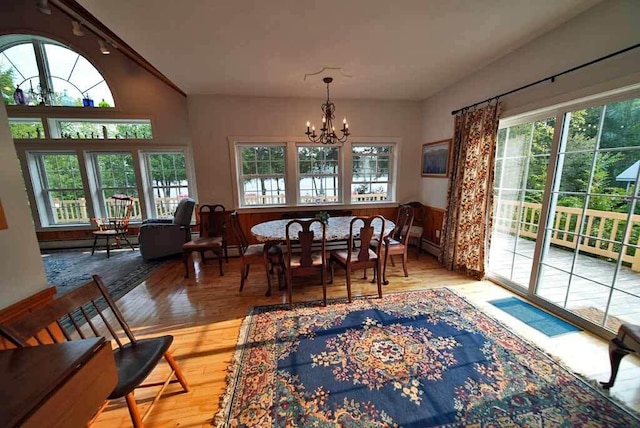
273, 232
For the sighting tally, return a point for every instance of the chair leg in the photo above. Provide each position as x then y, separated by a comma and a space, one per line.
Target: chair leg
377, 268
384, 268
268, 272
324, 285
349, 283
95, 241
244, 272
133, 410
126, 239
108, 247
289, 288
616, 353
178, 372
404, 263
185, 259
220, 263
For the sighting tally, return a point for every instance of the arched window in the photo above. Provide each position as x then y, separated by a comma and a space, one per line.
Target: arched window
48, 73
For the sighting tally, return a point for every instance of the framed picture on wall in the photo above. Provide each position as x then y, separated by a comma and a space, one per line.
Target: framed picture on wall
435, 159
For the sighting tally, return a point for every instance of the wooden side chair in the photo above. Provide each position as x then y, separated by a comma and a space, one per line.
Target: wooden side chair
68, 317
270, 256
307, 262
364, 257
416, 231
396, 243
213, 236
116, 228
626, 342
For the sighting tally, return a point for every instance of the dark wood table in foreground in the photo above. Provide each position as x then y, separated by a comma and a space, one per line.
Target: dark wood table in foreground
59, 385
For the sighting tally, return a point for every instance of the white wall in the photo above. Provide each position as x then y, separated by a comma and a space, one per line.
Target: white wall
21, 269
608, 27
214, 118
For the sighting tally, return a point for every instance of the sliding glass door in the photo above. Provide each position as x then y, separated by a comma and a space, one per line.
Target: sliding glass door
570, 237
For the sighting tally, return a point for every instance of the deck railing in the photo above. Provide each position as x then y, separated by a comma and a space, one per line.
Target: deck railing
605, 233
75, 210
255, 200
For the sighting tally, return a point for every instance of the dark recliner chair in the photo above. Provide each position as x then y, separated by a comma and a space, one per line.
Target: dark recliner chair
161, 238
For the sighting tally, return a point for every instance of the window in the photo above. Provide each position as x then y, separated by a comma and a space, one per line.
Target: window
49, 73
26, 128
318, 175
262, 175
371, 174
127, 129
62, 191
291, 173
115, 175
168, 179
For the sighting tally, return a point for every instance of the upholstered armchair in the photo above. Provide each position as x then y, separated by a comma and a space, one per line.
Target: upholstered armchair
160, 238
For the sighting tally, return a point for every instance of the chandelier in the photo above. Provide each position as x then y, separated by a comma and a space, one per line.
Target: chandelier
328, 131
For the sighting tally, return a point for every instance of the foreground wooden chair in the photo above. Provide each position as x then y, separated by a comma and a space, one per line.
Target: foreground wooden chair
213, 236
63, 319
626, 342
307, 262
272, 258
360, 258
396, 243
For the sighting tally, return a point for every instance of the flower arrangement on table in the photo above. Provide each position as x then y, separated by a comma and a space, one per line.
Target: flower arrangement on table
323, 216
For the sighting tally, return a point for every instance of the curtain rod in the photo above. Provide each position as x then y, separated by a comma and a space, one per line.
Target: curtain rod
551, 78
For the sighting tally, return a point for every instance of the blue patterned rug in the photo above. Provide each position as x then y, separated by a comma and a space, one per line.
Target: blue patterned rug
121, 272
419, 359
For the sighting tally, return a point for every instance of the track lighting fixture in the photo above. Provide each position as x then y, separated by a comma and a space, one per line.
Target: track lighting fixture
76, 29
43, 6
103, 47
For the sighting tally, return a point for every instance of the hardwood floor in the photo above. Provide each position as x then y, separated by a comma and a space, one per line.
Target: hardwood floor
204, 313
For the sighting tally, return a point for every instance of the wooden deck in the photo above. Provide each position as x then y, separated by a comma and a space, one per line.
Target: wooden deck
585, 293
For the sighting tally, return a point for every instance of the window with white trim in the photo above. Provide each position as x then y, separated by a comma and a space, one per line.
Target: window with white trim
262, 174
318, 174
115, 175
62, 196
371, 176
167, 174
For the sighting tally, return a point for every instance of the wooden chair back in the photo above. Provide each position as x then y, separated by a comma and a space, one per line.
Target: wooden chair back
366, 234
403, 224
212, 221
305, 237
71, 316
237, 232
419, 213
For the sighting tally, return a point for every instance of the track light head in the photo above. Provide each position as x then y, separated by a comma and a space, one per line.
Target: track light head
43, 6
104, 48
76, 29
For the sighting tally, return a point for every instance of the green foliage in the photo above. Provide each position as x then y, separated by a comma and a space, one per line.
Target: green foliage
7, 87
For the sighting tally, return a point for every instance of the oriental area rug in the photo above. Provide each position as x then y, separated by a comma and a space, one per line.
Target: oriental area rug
419, 359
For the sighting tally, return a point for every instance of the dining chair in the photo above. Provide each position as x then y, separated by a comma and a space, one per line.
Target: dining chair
270, 256
305, 262
213, 236
68, 317
416, 231
396, 243
354, 258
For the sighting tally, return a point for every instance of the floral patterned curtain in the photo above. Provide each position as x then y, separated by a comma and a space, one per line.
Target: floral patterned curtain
467, 221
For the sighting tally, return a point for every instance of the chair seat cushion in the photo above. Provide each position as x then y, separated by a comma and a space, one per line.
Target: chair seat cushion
203, 243
316, 259
254, 250
415, 231
341, 255
392, 242
629, 336
135, 362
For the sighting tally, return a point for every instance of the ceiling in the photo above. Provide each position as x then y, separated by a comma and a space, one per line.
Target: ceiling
401, 50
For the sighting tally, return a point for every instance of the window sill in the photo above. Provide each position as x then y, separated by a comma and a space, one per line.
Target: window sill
314, 207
